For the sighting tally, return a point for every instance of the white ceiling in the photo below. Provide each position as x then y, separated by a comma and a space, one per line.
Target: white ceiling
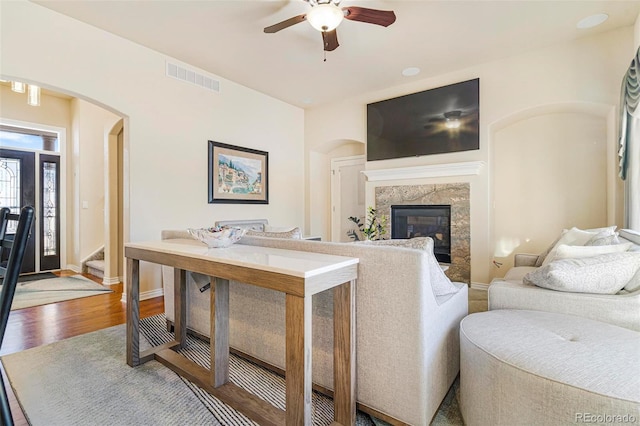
226, 38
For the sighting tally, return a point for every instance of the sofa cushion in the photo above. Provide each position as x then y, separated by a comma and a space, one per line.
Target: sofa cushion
545, 253
603, 274
517, 273
575, 237
293, 234
421, 243
603, 239
440, 283
371, 257
270, 228
634, 284
577, 252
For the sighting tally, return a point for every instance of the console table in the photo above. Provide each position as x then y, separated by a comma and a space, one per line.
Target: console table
299, 275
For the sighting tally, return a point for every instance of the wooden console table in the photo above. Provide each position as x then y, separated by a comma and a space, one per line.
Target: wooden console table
299, 275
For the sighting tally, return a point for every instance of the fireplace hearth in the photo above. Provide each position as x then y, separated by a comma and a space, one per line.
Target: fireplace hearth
457, 195
410, 221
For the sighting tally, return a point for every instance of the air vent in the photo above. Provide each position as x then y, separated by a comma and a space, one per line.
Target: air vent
190, 76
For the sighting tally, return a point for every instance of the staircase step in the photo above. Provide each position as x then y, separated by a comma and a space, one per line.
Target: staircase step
96, 268
96, 264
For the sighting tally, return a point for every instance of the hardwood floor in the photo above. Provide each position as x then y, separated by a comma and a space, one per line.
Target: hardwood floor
41, 325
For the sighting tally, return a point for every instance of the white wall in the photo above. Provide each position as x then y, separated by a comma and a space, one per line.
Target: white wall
53, 110
636, 35
167, 122
549, 170
91, 125
584, 72
56, 112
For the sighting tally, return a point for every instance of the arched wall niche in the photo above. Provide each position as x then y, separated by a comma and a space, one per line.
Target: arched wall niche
551, 167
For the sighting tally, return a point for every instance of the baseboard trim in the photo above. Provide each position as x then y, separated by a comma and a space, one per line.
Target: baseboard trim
110, 281
145, 294
479, 286
74, 268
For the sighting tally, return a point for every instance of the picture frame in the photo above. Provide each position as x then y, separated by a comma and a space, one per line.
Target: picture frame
237, 175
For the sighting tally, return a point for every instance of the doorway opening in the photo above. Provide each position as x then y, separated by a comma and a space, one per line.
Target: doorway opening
31, 175
347, 194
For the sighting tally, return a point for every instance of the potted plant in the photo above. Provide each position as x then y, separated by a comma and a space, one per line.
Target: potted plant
373, 228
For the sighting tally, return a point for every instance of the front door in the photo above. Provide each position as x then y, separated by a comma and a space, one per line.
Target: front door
18, 189
49, 214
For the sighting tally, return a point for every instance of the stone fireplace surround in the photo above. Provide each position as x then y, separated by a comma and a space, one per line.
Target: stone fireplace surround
455, 194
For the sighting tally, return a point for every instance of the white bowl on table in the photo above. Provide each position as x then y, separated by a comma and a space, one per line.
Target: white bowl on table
217, 237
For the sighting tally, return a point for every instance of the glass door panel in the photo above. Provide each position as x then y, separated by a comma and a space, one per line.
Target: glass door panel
49, 212
18, 189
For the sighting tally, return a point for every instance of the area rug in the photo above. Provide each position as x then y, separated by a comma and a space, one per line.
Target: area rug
51, 290
34, 277
94, 386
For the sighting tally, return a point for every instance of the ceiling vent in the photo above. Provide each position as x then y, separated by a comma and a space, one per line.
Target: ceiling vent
190, 76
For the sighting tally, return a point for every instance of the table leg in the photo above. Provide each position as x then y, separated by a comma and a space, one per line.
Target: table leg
180, 305
298, 360
344, 353
133, 312
219, 332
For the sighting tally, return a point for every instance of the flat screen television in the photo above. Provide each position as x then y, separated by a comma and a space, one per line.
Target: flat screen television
436, 121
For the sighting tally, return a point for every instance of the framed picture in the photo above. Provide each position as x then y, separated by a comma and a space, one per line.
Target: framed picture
237, 174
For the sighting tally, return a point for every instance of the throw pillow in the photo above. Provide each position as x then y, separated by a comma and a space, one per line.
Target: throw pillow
577, 252
603, 239
575, 237
294, 234
634, 283
603, 274
269, 228
545, 253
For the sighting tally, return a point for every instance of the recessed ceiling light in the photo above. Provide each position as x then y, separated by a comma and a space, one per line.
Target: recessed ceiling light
307, 101
411, 71
592, 21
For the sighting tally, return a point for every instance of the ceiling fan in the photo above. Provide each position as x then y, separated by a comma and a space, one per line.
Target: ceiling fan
326, 15
453, 119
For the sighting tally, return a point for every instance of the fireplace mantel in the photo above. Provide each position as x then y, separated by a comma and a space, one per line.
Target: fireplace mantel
437, 170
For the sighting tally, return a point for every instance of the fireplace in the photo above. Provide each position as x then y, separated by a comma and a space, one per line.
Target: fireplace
409, 221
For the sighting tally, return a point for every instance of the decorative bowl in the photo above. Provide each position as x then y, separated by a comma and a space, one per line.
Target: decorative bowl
217, 237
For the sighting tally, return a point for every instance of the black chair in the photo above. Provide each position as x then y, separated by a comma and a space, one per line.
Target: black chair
4, 221
11, 272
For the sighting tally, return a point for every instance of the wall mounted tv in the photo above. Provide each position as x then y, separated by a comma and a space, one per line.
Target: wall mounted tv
436, 121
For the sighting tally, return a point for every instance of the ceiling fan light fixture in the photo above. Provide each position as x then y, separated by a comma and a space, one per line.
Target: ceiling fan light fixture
325, 17
452, 123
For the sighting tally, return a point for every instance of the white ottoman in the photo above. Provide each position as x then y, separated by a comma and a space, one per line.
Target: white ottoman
531, 367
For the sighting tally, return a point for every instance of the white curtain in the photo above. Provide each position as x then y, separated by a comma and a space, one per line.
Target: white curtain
629, 152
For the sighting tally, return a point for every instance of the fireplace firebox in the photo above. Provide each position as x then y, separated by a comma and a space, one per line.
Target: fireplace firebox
409, 221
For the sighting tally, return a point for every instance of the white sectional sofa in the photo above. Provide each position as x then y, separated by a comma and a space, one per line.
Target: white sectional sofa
407, 324
510, 292
560, 342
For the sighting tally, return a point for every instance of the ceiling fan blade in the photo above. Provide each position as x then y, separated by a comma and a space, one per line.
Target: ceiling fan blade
285, 24
330, 40
370, 16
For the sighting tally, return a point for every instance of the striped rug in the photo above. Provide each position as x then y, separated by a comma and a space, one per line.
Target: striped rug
84, 381
257, 380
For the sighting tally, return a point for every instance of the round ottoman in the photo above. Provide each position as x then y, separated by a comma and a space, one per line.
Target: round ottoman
530, 367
